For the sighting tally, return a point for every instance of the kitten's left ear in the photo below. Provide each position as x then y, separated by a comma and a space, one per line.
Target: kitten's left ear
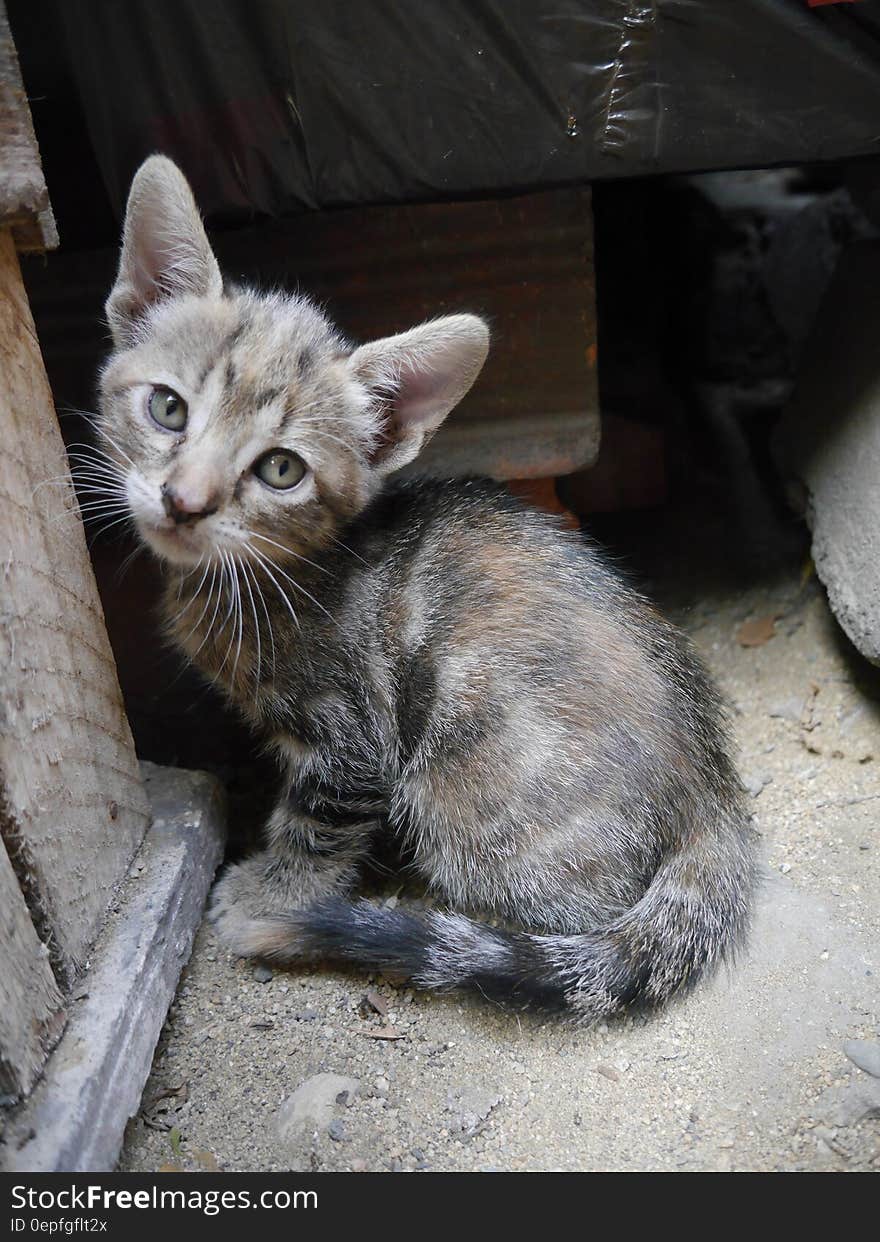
416, 378
165, 249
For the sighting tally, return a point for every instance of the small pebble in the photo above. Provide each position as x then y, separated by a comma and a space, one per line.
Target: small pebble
336, 1130
787, 709
756, 781
262, 974
865, 1053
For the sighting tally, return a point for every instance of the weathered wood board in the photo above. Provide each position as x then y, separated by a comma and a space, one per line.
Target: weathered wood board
31, 1009
526, 263
72, 807
76, 1117
24, 199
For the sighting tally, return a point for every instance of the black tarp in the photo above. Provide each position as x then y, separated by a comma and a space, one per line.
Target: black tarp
277, 105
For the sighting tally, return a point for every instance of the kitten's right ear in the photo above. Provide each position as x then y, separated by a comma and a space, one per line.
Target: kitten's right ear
165, 250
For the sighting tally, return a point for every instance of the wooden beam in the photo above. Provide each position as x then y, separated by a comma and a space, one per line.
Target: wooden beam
75, 1119
526, 263
72, 807
31, 1009
24, 199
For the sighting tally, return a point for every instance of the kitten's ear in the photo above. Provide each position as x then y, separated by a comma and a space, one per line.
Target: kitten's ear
416, 378
165, 250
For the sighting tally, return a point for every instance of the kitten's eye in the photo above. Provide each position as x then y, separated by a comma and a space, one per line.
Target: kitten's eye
280, 469
167, 409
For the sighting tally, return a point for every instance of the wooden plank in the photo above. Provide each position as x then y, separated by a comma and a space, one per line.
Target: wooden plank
24, 199
526, 263
76, 1118
31, 1008
72, 807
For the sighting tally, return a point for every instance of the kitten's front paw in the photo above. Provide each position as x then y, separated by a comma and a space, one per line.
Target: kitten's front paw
244, 915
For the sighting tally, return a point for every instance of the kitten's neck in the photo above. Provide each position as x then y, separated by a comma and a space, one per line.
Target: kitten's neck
249, 628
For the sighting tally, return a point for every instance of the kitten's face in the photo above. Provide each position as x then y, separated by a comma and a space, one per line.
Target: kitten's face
237, 425
241, 425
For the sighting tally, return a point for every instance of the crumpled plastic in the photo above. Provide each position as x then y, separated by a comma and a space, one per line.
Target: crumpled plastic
272, 106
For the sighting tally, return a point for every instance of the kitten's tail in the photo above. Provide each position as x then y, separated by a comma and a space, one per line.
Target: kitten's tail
694, 912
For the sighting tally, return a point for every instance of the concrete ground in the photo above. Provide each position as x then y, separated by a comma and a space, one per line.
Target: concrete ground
757, 1070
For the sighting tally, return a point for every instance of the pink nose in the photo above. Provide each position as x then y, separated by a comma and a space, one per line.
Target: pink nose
185, 507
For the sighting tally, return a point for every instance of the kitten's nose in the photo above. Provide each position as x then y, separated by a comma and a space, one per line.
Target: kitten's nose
183, 508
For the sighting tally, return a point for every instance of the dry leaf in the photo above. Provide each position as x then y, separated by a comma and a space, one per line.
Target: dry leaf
161, 1111
758, 631
376, 1002
808, 716
181, 1093
385, 1032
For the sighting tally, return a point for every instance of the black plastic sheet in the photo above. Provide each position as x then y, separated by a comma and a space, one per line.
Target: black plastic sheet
276, 105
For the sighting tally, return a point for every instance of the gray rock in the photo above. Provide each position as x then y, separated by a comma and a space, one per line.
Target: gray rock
470, 1107
311, 1108
828, 444
756, 781
787, 709
262, 974
865, 1053
850, 1104
336, 1130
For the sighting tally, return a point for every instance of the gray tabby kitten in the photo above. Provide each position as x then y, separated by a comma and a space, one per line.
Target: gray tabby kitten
429, 659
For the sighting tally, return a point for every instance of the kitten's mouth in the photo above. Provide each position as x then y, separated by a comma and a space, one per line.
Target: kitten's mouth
179, 544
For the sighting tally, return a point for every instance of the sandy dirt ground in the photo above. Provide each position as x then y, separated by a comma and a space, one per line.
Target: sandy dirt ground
757, 1070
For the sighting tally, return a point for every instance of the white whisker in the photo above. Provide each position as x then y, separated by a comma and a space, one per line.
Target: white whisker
283, 548
132, 556
239, 613
346, 548
256, 630
296, 586
207, 602
89, 511
94, 450
250, 569
210, 626
278, 588
227, 559
102, 530
192, 599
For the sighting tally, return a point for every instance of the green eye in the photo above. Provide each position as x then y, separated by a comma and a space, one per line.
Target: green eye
280, 469
167, 409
